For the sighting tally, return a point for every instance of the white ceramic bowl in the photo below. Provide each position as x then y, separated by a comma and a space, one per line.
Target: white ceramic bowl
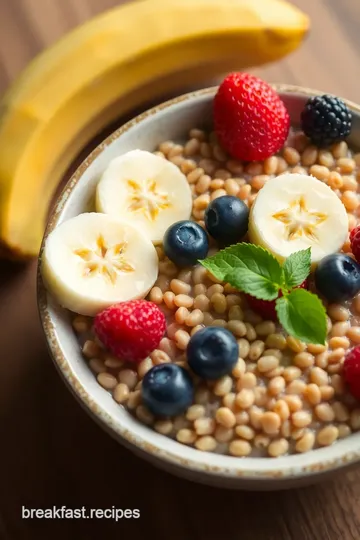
172, 120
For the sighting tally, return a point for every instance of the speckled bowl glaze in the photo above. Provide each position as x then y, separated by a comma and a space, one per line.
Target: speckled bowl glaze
172, 120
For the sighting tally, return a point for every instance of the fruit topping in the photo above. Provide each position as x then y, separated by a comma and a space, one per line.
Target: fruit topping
250, 120
226, 219
94, 260
267, 308
337, 277
355, 242
136, 53
255, 271
353, 232
145, 190
295, 211
131, 330
167, 390
185, 242
212, 352
326, 120
352, 371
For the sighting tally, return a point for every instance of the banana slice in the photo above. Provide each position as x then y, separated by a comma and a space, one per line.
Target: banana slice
294, 212
93, 260
146, 190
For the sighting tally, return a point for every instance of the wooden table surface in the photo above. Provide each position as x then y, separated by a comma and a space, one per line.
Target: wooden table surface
51, 452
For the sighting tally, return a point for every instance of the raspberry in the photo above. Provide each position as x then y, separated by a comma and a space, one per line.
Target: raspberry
250, 120
131, 330
355, 242
266, 308
353, 232
352, 371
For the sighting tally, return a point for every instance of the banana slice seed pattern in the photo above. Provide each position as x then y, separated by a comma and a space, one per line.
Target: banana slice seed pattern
147, 198
106, 260
299, 220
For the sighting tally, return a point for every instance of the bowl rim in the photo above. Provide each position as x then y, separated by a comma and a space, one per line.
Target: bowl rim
344, 453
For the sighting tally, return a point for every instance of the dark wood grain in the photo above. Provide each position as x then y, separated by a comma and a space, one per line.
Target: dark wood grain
51, 452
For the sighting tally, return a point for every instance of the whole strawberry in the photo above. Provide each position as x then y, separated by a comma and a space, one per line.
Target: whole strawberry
266, 308
131, 330
352, 371
355, 242
250, 120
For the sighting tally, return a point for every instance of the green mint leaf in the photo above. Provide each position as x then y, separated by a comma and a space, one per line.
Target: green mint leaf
249, 268
297, 268
222, 262
303, 316
249, 282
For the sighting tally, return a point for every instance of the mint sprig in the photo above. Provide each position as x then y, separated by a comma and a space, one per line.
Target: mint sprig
251, 269
302, 315
255, 271
297, 268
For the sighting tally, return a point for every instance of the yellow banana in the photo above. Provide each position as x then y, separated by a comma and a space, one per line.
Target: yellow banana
106, 68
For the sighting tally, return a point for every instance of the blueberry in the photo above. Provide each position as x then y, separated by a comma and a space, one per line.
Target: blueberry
185, 242
226, 219
212, 352
337, 277
167, 390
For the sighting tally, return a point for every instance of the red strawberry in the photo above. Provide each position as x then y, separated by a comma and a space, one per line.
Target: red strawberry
352, 371
266, 308
131, 330
355, 242
251, 122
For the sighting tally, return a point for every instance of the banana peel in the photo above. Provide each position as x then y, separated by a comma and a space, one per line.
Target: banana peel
106, 68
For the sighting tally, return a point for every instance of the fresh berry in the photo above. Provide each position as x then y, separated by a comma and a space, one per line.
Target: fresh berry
352, 371
326, 120
266, 308
337, 277
226, 219
355, 242
185, 242
167, 390
250, 120
353, 232
212, 352
131, 330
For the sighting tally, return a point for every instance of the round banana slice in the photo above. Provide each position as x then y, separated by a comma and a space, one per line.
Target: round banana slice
94, 260
146, 190
294, 212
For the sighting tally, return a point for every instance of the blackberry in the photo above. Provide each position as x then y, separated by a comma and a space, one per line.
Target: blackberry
326, 120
